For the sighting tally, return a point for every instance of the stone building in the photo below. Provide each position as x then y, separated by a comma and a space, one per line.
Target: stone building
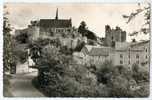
93, 55
49, 27
124, 54
114, 35
132, 53
55, 27
32, 30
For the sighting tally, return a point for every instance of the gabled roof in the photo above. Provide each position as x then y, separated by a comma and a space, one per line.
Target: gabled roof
55, 23
140, 43
131, 45
102, 51
89, 47
98, 50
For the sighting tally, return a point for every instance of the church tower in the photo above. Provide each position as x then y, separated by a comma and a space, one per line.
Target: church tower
56, 17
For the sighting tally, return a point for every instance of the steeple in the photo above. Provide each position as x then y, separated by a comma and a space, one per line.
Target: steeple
56, 14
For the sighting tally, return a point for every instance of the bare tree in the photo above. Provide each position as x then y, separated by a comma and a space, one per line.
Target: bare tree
146, 26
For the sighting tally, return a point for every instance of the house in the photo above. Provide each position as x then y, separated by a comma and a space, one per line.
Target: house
144, 57
132, 53
94, 54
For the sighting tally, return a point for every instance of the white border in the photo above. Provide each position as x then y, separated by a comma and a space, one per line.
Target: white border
63, 1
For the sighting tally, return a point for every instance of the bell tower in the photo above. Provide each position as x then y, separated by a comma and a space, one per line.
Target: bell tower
56, 17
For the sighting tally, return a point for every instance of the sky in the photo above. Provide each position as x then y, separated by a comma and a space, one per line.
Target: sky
96, 15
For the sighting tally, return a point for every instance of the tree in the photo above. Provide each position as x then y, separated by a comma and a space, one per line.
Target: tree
133, 40
80, 45
86, 32
146, 27
22, 38
82, 28
8, 47
139, 74
104, 72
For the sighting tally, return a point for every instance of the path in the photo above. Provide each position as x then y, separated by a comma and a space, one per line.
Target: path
21, 85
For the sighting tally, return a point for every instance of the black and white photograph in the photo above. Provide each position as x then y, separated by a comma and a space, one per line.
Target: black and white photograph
76, 50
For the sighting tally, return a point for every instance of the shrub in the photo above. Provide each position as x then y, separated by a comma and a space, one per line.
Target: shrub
104, 72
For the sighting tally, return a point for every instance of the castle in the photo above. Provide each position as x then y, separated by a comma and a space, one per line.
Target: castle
117, 50
114, 35
114, 48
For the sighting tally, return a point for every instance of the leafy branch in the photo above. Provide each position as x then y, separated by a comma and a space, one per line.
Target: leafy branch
133, 15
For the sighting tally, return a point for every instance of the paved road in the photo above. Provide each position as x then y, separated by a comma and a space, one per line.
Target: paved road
21, 85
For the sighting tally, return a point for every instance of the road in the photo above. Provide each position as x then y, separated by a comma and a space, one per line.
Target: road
21, 85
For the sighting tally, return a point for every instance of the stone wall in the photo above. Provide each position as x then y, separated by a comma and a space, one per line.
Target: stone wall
114, 35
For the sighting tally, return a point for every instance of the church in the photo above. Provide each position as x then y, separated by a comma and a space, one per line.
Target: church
51, 27
47, 28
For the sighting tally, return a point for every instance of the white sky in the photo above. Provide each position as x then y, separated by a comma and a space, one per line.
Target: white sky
95, 15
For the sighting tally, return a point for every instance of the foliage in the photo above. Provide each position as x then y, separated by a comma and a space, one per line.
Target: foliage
85, 32
117, 80
104, 72
82, 28
22, 38
21, 56
7, 54
146, 26
139, 75
79, 46
59, 77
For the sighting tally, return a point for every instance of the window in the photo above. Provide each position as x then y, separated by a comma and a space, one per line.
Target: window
146, 57
112, 37
61, 30
137, 56
137, 62
57, 30
129, 62
146, 50
121, 55
68, 30
121, 62
128, 56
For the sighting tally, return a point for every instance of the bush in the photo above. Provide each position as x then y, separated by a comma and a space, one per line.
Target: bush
139, 74
22, 56
57, 78
104, 72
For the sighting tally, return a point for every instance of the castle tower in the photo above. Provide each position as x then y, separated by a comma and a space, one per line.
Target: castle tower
56, 17
114, 35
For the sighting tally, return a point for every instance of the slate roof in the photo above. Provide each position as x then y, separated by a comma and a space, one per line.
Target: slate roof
131, 45
89, 47
103, 51
55, 23
140, 43
98, 50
